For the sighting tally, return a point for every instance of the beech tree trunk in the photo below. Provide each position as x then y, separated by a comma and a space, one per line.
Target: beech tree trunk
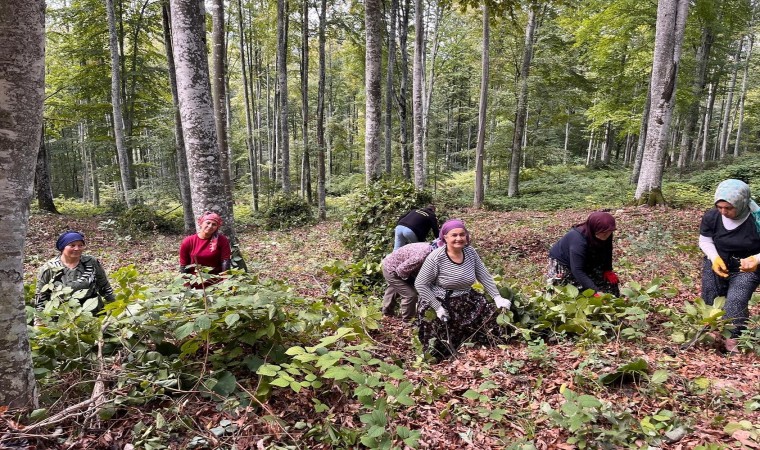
671, 21
372, 23
742, 95
706, 121
183, 177
401, 98
522, 105
427, 96
638, 157
305, 164
417, 84
389, 85
219, 90
698, 88
197, 112
321, 193
42, 180
22, 89
480, 146
125, 166
247, 91
726, 128
283, 136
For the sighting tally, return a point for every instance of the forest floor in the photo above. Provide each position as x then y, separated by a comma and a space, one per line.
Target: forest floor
705, 389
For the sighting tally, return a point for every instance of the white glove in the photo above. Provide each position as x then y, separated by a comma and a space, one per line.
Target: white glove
442, 314
502, 302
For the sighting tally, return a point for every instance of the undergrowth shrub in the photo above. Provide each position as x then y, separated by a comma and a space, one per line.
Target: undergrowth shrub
287, 211
369, 226
142, 218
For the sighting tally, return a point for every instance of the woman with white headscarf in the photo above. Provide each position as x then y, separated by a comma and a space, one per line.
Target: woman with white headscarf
729, 236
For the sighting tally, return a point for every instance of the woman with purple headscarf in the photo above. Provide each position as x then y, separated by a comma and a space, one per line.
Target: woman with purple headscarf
583, 256
444, 285
729, 236
72, 269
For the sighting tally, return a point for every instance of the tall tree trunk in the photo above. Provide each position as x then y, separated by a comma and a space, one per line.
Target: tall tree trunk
697, 90
252, 161
750, 40
726, 128
321, 193
639, 156
522, 104
42, 179
183, 177
567, 138
197, 111
306, 164
283, 136
671, 21
401, 98
480, 146
417, 85
389, 85
372, 21
427, 96
125, 167
606, 144
219, 90
706, 121
22, 89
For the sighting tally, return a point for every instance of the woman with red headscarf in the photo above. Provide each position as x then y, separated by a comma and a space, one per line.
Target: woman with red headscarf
583, 257
206, 248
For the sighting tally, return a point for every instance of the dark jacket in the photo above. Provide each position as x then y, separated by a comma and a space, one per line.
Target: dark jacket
421, 221
574, 251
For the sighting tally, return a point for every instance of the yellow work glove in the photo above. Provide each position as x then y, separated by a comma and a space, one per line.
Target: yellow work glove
748, 264
719, 267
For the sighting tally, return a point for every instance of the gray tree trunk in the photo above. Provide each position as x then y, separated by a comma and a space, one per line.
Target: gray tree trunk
321, 193
706, 121
247, 91
401, 98
183, 177
638, 157
671, 21
417, 85
427, 96
125, 167
372, 23
697, 90
22, 87
42, 185
726, 128
197, 112
742, 95
305, 164
522, 104
567, 138
482, 107
389, 96
283, 136
219, 90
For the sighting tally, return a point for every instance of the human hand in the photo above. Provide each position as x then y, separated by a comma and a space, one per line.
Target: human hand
502, 302
748, 264
442, 314
719, 267
610, 277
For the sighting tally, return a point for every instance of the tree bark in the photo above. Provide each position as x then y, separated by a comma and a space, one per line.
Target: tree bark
283, 136
372, 21
697, 90
219, 90
306, 164
671, 21
726, 128
522, 104
321, 193
427, 96
401, 98
42, 179
125, 166
247, 94
389, 85
638, 157
417, 84
183, 177
480, 146
197, 112
742, 95
22, 89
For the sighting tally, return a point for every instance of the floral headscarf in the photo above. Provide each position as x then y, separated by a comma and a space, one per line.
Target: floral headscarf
738, 194
212, 216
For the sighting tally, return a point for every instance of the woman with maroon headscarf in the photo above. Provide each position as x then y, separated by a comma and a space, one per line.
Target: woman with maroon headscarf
583, 257
206, 248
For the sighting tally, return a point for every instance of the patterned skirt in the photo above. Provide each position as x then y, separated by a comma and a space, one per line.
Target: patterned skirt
472, 318
558, 274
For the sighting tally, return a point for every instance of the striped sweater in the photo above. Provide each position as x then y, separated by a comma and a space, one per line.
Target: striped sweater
440, 274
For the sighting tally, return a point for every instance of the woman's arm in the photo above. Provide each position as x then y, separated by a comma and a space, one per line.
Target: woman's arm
708, 247
483, 275
101, 282
425, 279
577, 263
42, 293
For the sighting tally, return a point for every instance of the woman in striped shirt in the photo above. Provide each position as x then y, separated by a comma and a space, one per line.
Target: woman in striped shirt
444, 284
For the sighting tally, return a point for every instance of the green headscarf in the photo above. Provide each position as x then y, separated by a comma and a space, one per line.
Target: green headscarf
738, 194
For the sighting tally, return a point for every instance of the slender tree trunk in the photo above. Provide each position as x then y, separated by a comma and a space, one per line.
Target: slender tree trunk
417, 85
283, 143
698, 88
389, 96
252, 162
321, 193
219, 91
401, 98
183, 176
567, 139
306, 164
726, 128
22, 83
125, 167
197, 111
372, 23
606, 144
427, 97
522, 104
671, 21
707, 120
589, 151
750, 40
42, 180
482, 107
638, 157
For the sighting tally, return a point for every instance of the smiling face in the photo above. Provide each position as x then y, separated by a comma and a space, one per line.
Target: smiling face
456, 238
73, 251
207, 229
726, 209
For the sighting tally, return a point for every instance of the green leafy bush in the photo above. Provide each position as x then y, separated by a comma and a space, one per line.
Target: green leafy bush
287, 211
369, 226
142, 218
